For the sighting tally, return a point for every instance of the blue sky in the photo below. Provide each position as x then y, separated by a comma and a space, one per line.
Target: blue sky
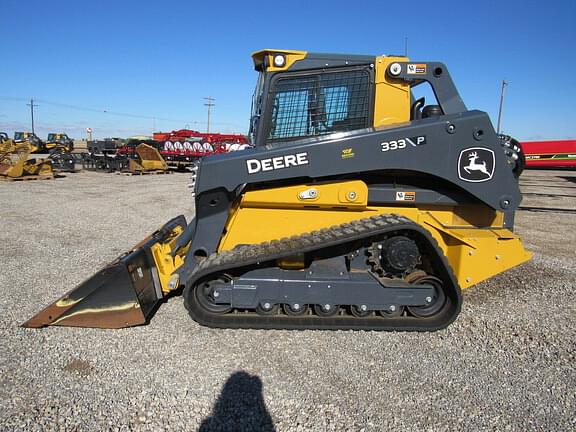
127, 67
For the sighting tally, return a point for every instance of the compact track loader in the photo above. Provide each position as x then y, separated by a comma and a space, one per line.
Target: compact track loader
360, 207
59, 141
36, 144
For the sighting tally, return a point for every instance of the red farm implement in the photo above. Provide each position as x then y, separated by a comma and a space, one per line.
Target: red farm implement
550, 154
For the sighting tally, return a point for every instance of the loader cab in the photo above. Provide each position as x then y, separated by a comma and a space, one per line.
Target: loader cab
302, 95
25, 136
61, 138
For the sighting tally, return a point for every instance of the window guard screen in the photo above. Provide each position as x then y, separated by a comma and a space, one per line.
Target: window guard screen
320, 104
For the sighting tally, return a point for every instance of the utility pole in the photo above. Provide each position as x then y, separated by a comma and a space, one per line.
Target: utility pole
502, 92
32, 105
209, 104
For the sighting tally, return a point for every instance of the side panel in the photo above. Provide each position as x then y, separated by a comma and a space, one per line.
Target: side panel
475, 254
443, 147
392, 97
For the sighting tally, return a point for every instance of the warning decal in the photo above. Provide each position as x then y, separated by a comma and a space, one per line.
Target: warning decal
405, 196
416, 69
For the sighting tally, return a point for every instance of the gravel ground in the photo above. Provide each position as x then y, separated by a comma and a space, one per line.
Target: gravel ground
507, 363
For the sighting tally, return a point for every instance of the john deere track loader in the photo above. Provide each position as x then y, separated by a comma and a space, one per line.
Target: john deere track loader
360, 207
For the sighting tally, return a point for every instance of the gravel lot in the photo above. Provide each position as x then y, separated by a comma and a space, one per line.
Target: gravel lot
507, 363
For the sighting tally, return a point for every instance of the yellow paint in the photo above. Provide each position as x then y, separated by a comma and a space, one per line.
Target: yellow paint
343, 195
292, 57
392, 97
472, 237
150, 160
54, 145
166, 265
14, 161
348, 153
44, 169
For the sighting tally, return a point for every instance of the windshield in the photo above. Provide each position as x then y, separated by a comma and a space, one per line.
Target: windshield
256, 107
319, 104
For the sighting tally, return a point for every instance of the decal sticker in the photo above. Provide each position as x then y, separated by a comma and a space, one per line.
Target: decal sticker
256, 165
557, 156
476, 164
402, 143
348, 153
416, 69
405, 196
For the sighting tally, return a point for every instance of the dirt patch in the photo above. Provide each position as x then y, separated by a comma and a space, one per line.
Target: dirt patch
77, 366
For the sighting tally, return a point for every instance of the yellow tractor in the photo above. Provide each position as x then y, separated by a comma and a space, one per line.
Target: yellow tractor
59, 141
36, 144
14, 162
59, 146
359, 207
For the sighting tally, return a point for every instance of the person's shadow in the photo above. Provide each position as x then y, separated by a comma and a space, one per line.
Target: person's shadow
240, 407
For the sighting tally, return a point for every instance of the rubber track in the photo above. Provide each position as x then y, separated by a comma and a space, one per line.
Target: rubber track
362, 229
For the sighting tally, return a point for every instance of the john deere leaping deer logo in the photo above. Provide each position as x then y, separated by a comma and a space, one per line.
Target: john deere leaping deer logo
476, 164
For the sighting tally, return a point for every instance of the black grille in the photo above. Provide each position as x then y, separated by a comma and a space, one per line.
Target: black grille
319, 104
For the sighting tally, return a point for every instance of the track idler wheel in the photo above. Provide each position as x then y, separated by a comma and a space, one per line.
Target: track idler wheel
206, 295
436, 302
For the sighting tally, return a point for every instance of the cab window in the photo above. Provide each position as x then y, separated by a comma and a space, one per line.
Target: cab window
320, 104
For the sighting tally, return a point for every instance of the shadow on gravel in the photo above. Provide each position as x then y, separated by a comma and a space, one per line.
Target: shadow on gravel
240, 407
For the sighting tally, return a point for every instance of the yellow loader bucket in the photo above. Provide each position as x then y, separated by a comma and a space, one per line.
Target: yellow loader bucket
150, 159
123, 294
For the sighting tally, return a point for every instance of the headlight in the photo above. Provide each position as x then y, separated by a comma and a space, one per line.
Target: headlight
279, 60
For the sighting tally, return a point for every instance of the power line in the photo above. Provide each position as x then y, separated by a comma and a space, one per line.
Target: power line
209, 104
116, 113
32, 105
